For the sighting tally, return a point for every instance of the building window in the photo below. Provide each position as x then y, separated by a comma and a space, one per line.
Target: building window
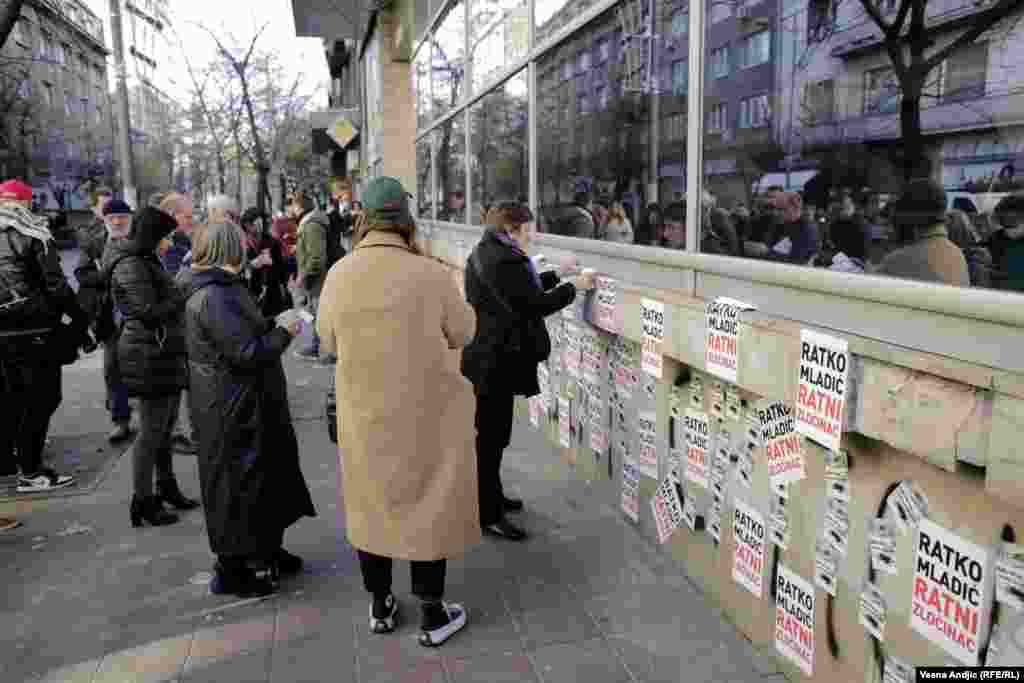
820, 20
680, 76
717, 118
819, 102
881, 91
755, 112
680, 23
720, 62
720, 11
755, 49
966, 73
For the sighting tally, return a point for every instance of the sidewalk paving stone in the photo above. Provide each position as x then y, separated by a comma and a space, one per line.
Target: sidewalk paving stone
591, 661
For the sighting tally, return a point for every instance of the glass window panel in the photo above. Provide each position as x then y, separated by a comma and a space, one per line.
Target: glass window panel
422, 84
499, 154
680, 23
499, 36
451, 169
424, 177
448, 65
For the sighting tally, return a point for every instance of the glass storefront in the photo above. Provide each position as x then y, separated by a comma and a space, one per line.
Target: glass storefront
808, 139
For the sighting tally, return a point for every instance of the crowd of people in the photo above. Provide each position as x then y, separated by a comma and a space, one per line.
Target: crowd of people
855, 233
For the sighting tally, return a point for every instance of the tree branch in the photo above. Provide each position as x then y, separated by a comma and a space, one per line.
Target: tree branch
876, 16
982, 22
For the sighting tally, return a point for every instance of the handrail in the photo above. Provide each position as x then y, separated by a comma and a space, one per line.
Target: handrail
984, 305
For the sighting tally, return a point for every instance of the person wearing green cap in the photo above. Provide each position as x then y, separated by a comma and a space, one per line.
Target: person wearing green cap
393, 319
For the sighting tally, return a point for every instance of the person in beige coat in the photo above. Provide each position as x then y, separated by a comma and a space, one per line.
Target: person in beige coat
394, 319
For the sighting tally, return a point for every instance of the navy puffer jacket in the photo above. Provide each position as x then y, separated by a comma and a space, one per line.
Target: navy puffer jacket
151, 347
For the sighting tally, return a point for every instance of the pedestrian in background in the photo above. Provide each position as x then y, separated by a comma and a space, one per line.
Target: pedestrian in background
393, 317
34, 342
252, 484
266, 272
151, 356
511, 301
311, 259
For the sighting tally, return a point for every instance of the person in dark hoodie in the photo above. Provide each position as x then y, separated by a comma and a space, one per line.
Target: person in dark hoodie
149, 310
239, 397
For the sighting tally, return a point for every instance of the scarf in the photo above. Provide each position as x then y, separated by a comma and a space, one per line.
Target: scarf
27, 223
514, 246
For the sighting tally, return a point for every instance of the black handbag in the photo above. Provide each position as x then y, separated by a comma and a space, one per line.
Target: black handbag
529, 338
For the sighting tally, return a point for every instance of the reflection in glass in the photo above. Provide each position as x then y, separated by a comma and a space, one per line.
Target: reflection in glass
499, 155
421, 84
424, 179
499, 35
448, 64
451, 169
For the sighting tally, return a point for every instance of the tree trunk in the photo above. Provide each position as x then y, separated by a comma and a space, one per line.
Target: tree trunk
238, 175
222, 172
915, 162
10, 10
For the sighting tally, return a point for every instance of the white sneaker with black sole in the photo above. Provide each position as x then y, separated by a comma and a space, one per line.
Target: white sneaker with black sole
436, 636
44, 480
389, 612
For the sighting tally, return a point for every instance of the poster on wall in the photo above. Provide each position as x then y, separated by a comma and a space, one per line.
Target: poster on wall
748, 559
630, 489
821, 395
872, 610
652, 320
721, 349
564, 423
778, 523
647, 455
882, 546
794, 619
697, 393
697, 437
573, 350
897, 671
952, 592
783, 445
1010, 576
667, 507
595, 356
826, 564
534, 404
607, 312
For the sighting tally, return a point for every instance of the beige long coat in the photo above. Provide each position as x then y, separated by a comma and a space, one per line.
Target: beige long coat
405, 413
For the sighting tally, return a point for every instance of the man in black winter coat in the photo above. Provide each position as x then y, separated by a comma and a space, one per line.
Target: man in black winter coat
35, 299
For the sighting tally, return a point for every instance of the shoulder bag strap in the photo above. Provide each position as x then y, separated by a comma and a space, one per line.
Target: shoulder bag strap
478, 269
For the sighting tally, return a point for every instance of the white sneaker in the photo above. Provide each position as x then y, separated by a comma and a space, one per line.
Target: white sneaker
44, 480
385, 624
456, 622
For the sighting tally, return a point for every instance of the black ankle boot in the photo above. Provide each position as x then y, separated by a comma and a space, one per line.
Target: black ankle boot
235, 578
167, 490
151, 511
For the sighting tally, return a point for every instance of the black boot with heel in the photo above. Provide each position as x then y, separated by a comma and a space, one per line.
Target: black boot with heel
167, 490
150, 510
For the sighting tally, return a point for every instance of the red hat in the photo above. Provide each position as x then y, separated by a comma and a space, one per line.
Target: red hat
16, 190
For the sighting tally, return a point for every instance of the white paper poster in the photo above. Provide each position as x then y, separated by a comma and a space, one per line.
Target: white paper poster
573, 350
697, 438
821, 396
882, 545
952, 592
794, 619
652, 318
748, 561
826, 564
564, 420
535, 409
630, 489
667, 507
872, 610
1010, 576
783, 445
721, 351
647, 456
607, 313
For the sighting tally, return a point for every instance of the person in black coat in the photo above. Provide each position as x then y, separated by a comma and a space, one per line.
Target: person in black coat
148, 310
266, 273
511, 301
252, 484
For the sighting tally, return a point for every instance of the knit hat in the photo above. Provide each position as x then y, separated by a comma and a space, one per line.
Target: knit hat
15, 190
386, 202
922, 204
117, 207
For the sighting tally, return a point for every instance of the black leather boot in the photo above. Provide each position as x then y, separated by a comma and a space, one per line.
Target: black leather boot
235, 578
151, 511
167, 490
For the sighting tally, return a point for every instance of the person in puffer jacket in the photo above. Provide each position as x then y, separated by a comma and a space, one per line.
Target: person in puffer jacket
149, 309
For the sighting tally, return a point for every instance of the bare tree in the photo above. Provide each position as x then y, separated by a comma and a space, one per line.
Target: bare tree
10, 10
912, 50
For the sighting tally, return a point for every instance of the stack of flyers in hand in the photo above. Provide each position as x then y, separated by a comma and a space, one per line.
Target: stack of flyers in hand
837, 475
1010, 576
909, 506
826, 564
872, 610
778, 523
718, 399
837, 525
897, 671
882, 545
715, 525
697, 393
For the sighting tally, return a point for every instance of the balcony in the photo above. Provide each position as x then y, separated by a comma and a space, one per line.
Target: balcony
329, 18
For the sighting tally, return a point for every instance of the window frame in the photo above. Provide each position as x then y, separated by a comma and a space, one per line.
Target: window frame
721, 56
745, 44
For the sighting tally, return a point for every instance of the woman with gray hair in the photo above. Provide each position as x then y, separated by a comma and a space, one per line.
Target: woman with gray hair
252, 485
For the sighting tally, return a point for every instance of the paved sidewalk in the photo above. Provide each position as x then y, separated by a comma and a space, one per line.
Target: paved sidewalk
87, 599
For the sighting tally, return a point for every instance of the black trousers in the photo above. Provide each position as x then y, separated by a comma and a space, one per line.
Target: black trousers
31, 393
493, 434
427, 577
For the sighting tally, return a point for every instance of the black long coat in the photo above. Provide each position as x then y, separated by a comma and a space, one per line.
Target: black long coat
252, 484
151, 345
485, 362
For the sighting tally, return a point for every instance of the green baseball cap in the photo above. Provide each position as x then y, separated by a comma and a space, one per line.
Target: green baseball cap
386, 201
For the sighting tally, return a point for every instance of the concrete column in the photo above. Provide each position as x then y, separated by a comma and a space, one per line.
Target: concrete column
398, 125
